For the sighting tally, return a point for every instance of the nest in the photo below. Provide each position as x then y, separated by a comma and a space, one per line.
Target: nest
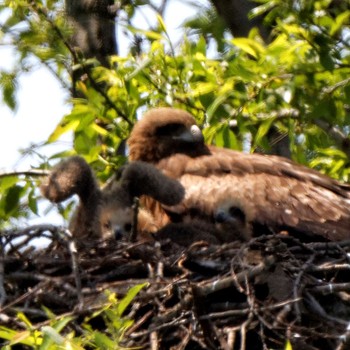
252, 295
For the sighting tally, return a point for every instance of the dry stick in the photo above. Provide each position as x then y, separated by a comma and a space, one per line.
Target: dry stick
252, 312
344, 340
328, 245
75, 267
30, 276
211, 287
297, 283
3, 295
154, 340
323, 268
139, 323
281, 316
231, 338
23, 296
331, 288
174, 322
186, 338
320, 311
246, 311
32, 232
208, 288
199, 306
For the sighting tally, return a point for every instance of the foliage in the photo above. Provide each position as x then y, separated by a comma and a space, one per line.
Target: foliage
298, 82
50, 337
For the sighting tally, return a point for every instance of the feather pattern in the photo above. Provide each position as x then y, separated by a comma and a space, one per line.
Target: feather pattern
271, 190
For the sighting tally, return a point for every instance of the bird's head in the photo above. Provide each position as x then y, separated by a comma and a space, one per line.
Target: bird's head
162, 132
233, 220
116, 218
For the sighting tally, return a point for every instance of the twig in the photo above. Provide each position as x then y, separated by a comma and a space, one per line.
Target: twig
30, 172
316, 308
135, 208
330, 89
75, 267
199, 306
154, 340
345, 340
2, 274
246, 311
209, 288
296, 285
331, 288
338, 135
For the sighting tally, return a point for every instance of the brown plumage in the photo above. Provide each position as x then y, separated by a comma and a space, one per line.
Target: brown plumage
271, 191
108, 212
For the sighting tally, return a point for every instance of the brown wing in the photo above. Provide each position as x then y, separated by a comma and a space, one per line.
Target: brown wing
273, 191
274, 201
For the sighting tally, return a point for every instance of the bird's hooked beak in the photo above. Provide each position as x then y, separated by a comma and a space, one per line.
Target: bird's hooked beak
192, 134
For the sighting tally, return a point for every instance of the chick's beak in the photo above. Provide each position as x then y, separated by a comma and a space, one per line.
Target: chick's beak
221, 216
118, 233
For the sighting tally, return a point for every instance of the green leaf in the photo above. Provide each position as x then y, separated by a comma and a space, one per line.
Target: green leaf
32, 202
147, 33
340, 20
62, 129
12, 199
7, 182
326, 60
347, 92
203, 88
51, 337
103, 342
288, 345
129, 297
22, 337
161, 23
226, 138
8, 82
249, 46
263, 129
216, 104
333, 152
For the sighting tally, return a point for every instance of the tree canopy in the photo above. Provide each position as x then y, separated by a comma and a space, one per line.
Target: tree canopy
239, 88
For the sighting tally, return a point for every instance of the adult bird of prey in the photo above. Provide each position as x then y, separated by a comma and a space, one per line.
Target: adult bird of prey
262, 191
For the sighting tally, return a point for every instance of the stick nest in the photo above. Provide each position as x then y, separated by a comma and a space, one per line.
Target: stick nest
252, 295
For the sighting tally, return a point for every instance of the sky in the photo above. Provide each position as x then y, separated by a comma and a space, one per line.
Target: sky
42, 103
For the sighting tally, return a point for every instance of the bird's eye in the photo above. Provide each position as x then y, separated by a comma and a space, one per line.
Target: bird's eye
127, 227
237, 213
170, 129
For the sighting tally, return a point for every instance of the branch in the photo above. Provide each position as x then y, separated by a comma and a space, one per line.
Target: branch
3, 295
30, 172
95, 85
109, 102
338, 135
329, 90
209, 288
42, 11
